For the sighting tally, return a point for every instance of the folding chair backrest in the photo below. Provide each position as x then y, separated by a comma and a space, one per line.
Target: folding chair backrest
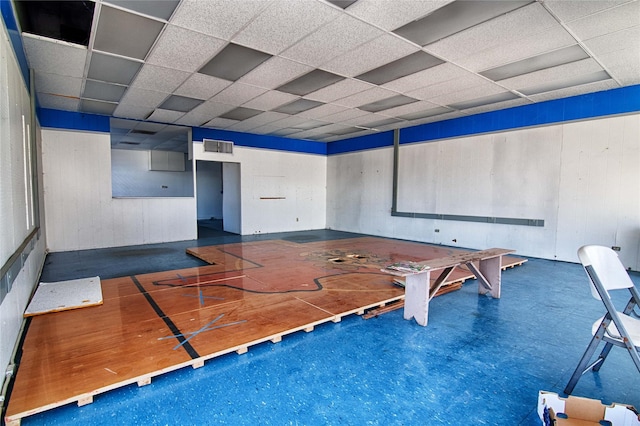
607, 266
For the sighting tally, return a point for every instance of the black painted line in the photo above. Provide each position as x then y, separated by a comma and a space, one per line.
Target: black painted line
174, 329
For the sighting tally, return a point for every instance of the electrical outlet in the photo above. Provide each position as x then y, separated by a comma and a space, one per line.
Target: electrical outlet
437, 230
615, 248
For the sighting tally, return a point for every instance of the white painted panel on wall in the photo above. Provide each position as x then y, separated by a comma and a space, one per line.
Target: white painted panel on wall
81, 214
209, 189
232, 197
601, 187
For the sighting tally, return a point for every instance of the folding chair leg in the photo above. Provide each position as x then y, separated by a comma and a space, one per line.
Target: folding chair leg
582, 365
603, 356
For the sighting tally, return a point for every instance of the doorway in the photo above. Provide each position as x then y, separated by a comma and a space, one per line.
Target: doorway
218, 198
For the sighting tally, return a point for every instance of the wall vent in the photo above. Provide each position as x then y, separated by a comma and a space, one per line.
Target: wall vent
223, 147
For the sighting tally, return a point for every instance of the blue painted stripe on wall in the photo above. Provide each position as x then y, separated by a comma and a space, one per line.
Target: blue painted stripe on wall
591, 105
261, 141
6, 8
360, 143
69, 120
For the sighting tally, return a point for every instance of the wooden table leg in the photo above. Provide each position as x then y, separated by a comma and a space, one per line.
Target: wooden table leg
489, 275
416, 300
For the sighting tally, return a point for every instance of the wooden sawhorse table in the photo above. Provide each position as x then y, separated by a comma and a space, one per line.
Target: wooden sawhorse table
418, 291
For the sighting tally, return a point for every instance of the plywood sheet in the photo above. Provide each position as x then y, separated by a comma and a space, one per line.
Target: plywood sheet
65, 295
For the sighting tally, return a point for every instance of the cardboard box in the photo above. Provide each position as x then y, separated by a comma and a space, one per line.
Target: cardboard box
554, 410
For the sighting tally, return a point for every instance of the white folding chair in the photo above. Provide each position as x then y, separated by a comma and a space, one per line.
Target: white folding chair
619, 328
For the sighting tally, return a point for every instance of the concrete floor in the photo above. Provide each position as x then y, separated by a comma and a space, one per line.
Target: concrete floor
479, 361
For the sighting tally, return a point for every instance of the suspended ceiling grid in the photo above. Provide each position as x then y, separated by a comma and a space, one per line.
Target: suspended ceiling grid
325, 70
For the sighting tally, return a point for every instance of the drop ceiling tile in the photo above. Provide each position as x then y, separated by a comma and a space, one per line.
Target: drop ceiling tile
265, 129
428, 77
184, 49
165, 115
285, 132
464, 81
143, 98
162, 9
390, 15
124, 33
220, 123
132, 111
387, 103
275, 72
364, 97
310, 82
54, 57
364, 120
347, 114
569, 11
283, 23
485, 100
333, 39
240, 113
204, 113
418, 115
298, 106
63, 103
607, 21
474, 92
563, 83
576, 90
180, 103
58, 84
624, 68
103, 91
310, 124
584, 66
160, 79
270, 100
498, 105
233, 62
619, 53
238, 94
322, 111
290, 122
399, 68
201, 86
112, 69
370, 55
413, 107
97, 107
217, 17
339, 90
257, 121
523, 22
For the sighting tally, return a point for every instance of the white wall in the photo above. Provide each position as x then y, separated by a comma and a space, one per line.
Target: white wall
81, 214
17, 212
582, 178
281, 191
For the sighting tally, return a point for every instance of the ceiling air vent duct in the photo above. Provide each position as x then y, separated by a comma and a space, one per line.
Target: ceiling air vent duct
223, 147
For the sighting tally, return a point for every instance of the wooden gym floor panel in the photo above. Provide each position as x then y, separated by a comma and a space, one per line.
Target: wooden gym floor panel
249, 293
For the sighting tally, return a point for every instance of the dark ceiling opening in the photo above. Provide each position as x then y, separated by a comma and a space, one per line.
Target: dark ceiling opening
61, 20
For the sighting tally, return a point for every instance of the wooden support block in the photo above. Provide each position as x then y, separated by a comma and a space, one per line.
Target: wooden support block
416, 301
13, 422
144, 382
309, 329
360, 312
199, 363
276, 339
337, 318
85, 400
242, 350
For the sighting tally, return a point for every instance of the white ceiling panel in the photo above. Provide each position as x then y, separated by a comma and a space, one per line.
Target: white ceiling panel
58, 85
160, 79
346, 114
64, 103
339, 90
201, 86
270, 100
203, 113
220, 123
322, 111
368, 56
584, 66
574, 91
165, 115
472, 93
389, 15
54, 56
619, 53
184, 49
218, 18
370, 95
143, 98
569, 11
607, 21
624, 68
335, 38
408, 109
238, 94
428, 77
275, 72
257, 121
465, 81
506, 104
283, 23
132, 111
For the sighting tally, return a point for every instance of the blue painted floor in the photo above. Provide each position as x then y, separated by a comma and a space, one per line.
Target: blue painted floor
480, 361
